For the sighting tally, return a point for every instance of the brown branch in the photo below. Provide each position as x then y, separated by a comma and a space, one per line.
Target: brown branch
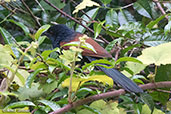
119, 92
160, 8
72, 18
31, 13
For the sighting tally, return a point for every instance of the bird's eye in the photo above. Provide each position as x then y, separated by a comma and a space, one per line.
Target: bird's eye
51, 32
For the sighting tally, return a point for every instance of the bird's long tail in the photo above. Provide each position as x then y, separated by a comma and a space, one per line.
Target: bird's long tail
119, 78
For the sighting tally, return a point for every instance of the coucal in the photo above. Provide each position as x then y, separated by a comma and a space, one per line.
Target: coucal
60, 34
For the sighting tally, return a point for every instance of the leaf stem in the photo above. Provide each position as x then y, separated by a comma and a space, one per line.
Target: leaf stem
70, 84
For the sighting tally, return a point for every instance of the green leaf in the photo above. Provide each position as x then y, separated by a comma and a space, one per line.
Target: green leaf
83, 92
129, 48
156, 38
105, 2
97, 29
19, 104
38, 65
110, 46
125, 16
98, 62
167, 28
156, 55
32, 76
26, 19
25, 28
59, 4
60, 93
147, 99
53, 105
132, 26
143, 8
111, 17
48, 86
41, 30
9, 39
162, 97
163, 73
92, 14
46, 53
153, 23
168, 6
128, 59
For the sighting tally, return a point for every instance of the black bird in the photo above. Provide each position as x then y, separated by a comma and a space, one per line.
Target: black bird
60, 34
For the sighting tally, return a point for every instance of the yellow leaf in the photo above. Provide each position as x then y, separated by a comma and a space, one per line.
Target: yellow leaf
75, 83
84, 4
79, 81
101, 78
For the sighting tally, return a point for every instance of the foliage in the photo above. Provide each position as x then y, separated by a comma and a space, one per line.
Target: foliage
36, 77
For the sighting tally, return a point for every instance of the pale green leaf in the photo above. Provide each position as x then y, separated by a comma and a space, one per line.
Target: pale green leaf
134, 67
5, 57
169, 105
85, 45
146, 110
156, 55
30, 93
41, 30
132, 59
84, 4
20, 75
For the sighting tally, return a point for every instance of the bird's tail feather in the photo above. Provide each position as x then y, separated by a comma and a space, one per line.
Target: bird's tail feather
119, 78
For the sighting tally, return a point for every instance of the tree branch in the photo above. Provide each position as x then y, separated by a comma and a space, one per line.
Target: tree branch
72, 18
116, 93
160, 8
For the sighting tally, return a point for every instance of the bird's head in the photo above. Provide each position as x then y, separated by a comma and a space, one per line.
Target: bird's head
58, 33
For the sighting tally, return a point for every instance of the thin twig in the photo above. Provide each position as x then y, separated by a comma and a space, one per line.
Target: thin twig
17, 9
12, 12
160, 8
72, 18
40, 5
29, 10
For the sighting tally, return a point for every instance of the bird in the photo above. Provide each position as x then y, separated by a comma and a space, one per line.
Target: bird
60, 34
